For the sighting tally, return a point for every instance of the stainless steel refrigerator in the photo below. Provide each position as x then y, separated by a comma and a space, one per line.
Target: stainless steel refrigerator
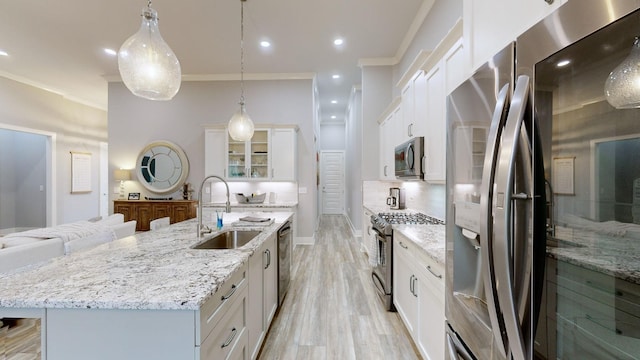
543, 193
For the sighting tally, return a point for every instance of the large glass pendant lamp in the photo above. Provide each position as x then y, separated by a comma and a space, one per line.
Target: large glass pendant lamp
148, 66
240, 126
622, 88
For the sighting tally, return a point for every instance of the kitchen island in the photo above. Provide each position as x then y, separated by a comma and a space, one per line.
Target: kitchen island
145, 296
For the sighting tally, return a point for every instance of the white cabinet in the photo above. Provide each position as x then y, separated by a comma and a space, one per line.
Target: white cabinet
368, 236
269, 155
488, 28
419, 296
389, 137
414, 108
215, 148
249, 159
440, 80
435, 139
263, 293
283, 154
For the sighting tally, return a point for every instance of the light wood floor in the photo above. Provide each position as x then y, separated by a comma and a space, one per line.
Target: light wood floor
331, 310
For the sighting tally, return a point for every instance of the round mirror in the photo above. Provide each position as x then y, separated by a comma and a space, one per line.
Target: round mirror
162, 167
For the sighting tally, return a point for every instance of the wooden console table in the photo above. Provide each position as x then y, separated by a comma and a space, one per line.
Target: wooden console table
143, 211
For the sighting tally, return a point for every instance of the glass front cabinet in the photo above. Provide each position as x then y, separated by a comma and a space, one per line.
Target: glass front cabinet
253, 159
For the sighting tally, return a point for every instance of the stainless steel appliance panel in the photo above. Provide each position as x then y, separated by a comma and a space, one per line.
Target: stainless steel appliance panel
409, 159
471, 138
585, 149
285, 239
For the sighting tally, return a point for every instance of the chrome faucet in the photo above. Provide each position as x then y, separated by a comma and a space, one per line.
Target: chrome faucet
203, 229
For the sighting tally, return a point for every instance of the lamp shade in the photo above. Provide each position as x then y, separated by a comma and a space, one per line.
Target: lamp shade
240, 126
622, 87
121, 175
148, 66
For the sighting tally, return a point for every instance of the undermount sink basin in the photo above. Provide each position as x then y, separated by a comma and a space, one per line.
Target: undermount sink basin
231, 239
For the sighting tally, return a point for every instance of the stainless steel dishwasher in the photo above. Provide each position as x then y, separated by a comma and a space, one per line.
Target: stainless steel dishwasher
285, 236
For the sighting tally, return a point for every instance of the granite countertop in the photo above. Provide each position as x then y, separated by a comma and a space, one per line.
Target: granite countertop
151, 270
278, 204
430, 238
609, 253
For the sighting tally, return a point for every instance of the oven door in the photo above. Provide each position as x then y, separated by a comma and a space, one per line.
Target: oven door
381, 274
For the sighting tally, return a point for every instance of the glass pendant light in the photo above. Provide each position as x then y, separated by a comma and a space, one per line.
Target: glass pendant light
240, 126
147, 65
622, 87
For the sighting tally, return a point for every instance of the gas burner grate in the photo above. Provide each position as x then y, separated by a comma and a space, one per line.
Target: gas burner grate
410, 218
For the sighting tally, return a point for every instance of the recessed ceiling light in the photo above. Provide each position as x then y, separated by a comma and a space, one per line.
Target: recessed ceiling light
110, 52
265, 44
3, 53
338, 41
333, 116
334, 101
336, 76
563, 63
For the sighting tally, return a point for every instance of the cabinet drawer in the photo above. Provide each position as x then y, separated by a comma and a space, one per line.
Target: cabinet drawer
229, 335
219, 304
427, 264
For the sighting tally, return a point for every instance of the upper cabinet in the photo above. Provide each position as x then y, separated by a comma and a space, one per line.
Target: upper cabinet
283, 154
269, 155
489, 29
413, 108
249, 159
390, 135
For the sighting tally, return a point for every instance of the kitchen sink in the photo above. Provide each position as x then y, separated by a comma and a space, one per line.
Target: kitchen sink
231, 239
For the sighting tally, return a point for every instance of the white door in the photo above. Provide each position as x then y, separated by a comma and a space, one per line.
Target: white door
332, 181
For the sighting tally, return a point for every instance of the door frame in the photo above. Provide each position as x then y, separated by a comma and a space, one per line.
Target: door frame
51, 173
322, 167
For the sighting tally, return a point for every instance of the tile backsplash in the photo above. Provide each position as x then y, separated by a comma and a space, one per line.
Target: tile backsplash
285, 191
420, 196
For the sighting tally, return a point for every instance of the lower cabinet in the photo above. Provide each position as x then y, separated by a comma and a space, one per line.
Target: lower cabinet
143, 211
418, 294
263, 293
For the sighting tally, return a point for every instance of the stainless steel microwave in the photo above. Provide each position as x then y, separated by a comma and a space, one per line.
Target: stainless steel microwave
408, 159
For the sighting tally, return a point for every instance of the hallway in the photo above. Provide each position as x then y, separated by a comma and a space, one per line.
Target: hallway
331, 310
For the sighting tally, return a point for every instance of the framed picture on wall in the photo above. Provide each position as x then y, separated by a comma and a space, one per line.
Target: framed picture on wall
134, 196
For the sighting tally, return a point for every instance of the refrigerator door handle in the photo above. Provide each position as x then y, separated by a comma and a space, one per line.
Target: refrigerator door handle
486, 231
505, 247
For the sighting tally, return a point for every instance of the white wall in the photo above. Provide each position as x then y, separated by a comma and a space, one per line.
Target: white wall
77, 128
135, 122
332, 137
353, 160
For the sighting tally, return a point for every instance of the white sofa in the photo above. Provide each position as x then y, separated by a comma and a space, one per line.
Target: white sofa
33, 246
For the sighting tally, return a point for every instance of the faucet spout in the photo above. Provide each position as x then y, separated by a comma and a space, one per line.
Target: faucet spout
203, 229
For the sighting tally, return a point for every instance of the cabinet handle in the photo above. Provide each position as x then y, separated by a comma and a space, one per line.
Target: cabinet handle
268, 254
411, 284
230, 339
414, 286
403, 245
385, 170
432, 273
272, 173
230, 293
593, 285
369, 230
409, 134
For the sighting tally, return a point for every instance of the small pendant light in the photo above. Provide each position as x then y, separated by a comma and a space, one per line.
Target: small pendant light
622, 88
240, 126
148, 66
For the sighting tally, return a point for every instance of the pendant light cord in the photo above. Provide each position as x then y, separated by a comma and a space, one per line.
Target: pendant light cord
242, 52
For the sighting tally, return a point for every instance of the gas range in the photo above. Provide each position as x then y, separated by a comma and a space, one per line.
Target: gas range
383, 221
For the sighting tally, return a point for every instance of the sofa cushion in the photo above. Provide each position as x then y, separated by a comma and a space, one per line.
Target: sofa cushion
19, 240
111, 220
89, 241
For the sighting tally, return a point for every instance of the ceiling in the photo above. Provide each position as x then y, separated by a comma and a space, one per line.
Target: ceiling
59, 45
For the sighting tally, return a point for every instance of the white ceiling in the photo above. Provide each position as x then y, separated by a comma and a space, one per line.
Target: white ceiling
58, 45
